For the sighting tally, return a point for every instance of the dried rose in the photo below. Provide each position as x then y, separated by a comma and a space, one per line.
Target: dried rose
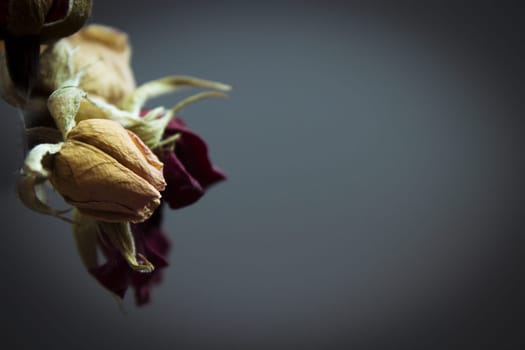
116, 273
188, 172
105, 167
107, 172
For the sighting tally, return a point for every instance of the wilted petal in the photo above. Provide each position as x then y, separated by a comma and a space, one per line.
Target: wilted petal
114, 275
182, 188
119, 236
192, 151
153, 244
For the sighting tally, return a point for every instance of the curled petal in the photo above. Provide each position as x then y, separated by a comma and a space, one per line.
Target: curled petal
152, 241
35, 158
182, 189
114, 275
31, 186
192, 151
30, 189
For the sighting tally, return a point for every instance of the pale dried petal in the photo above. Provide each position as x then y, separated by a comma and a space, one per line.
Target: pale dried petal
104, 53
30, 189
33, 162
56, 65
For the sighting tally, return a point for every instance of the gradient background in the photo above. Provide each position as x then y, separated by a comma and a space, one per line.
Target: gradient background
374, 200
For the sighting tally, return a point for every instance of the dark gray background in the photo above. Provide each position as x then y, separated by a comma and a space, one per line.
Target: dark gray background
374, 201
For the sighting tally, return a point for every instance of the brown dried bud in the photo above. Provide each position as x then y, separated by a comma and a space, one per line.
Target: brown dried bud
107, 172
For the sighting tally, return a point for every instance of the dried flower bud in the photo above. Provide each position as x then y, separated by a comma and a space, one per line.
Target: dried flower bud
104, 54
107, 172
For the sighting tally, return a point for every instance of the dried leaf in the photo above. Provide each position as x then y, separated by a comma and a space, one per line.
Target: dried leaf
164, 86
63, 104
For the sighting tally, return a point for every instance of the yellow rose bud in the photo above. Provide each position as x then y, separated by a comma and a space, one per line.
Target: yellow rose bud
107, 172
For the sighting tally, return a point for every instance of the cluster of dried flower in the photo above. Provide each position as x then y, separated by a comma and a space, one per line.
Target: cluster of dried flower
115, 163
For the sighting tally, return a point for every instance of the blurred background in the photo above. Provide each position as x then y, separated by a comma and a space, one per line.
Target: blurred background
374, 200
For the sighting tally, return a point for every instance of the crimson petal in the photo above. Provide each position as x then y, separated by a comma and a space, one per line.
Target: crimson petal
193, 153
182, 189
151, 242
114, 275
